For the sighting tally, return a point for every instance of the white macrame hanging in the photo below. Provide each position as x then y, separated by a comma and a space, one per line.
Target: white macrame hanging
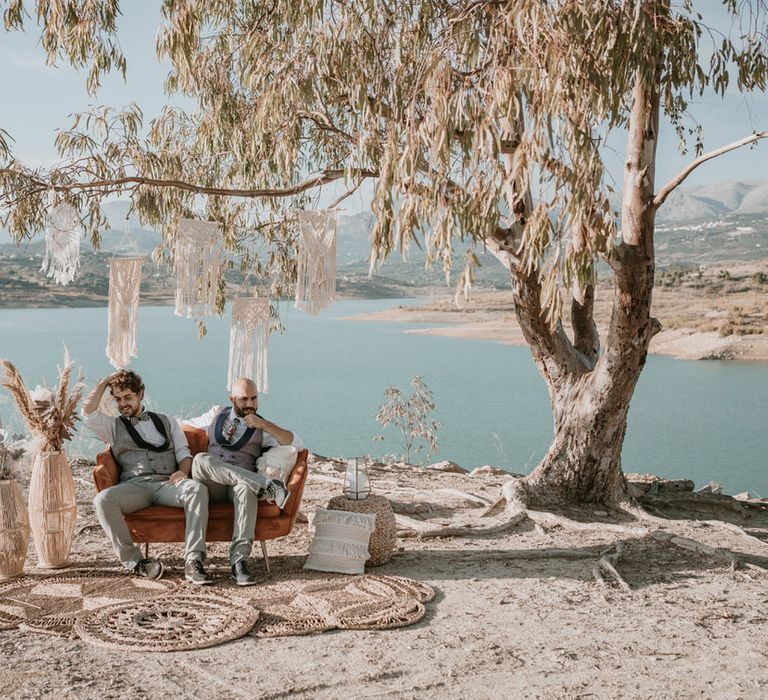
62, 244
316, 274
248, 341
124, 282
197, 267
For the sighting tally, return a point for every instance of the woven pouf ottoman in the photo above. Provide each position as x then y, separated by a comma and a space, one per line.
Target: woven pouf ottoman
382, 542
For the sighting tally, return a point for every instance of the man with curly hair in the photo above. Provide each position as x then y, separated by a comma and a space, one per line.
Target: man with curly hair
155, 465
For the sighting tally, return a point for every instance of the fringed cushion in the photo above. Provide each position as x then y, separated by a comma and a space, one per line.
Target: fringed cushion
340, 542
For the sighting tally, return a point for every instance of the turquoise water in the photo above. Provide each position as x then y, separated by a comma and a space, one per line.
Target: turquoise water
700, 420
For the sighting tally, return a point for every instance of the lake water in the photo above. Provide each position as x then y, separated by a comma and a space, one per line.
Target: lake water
699, 420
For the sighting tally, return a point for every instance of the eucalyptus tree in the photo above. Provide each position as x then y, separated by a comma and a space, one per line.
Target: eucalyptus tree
479, 121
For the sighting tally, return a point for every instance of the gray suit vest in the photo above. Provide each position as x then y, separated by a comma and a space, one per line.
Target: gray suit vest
138, 461
245, 455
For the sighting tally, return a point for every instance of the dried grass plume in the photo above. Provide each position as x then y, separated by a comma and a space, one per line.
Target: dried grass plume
49, 414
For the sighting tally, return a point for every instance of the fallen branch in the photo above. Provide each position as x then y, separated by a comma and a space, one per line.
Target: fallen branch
551, 520
608, 563
527, 555
466, 530
732, 527
718, 553
698, 501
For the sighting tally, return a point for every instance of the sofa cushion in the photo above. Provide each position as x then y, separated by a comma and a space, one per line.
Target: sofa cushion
277, 462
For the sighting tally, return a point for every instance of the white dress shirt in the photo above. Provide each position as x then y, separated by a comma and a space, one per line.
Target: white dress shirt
208, 417
103, 427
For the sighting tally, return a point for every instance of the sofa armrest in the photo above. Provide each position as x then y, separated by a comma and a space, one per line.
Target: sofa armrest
197, 438
295, 483
106, 472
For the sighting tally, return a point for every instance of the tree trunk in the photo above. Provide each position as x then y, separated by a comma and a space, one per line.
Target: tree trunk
590, 393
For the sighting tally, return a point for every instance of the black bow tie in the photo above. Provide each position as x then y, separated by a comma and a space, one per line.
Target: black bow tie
135, 419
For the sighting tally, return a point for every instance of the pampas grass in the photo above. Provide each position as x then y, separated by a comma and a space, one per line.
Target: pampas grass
11, 450
49, 414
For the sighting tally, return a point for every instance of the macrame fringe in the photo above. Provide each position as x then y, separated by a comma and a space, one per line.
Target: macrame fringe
248, 341
62, 244
124, 283
197, 267
316, 275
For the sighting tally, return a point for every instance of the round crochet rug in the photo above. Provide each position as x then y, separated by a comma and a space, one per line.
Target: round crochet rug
175, 622
52, 604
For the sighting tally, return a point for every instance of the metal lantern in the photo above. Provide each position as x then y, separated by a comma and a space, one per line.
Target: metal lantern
357, 485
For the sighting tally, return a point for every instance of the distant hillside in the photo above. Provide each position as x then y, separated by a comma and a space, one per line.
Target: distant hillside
697, 225
707, 202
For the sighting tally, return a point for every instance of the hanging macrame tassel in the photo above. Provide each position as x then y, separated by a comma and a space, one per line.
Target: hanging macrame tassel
197, 267
316, 275
62, 244
124, 282
248, 341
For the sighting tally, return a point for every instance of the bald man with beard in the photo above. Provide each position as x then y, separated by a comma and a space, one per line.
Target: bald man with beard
237, 436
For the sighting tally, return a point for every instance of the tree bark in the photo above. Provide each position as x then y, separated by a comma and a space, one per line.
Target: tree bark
590, 392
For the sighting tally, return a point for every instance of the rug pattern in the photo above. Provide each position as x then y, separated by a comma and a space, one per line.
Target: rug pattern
177, 622
51, 605
130, 613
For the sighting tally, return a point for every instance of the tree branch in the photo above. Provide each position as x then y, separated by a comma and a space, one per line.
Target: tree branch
322, 178
665, 191
585, 337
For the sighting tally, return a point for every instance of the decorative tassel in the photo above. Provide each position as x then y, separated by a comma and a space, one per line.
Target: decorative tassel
197, 267
124, 283
62, 244
248, 341
316, 276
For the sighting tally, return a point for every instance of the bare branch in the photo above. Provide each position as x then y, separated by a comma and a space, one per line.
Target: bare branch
322, 178
665, 191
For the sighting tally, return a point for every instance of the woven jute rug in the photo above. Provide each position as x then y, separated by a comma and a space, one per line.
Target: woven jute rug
176, 622
52, 604
303, 602
134, 614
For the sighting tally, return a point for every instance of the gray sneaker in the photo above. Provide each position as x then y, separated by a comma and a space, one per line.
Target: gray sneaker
149, 568
195, 573
241, 576
276, 491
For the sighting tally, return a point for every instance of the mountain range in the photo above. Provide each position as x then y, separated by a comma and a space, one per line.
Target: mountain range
720, 202
708, 202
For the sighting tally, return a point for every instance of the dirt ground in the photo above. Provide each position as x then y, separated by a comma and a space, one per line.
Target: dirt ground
716, 312
517, 613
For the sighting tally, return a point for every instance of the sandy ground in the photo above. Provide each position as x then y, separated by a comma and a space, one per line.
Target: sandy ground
517, 614
707, 317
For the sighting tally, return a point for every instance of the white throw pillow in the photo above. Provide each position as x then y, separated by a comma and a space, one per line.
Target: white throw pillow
277, 462
340, 542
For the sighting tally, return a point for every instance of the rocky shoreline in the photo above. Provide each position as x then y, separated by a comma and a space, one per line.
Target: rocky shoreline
709, 314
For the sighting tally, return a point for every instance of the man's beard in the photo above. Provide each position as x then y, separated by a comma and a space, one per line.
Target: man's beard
243, 411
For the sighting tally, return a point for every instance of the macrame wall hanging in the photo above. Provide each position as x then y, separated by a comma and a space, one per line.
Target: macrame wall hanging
62, 244
248, 341
124, 282
316, 274
197, 267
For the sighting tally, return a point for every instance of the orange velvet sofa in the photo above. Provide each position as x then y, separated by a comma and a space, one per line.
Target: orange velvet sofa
167, 524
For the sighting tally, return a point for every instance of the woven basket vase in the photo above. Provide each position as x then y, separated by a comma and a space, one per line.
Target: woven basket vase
52, 508
14, 530
382, 542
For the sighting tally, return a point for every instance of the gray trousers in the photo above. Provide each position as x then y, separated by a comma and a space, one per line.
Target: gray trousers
227, 482
138, 493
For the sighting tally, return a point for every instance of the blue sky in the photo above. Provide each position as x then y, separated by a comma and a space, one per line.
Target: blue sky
37, 100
